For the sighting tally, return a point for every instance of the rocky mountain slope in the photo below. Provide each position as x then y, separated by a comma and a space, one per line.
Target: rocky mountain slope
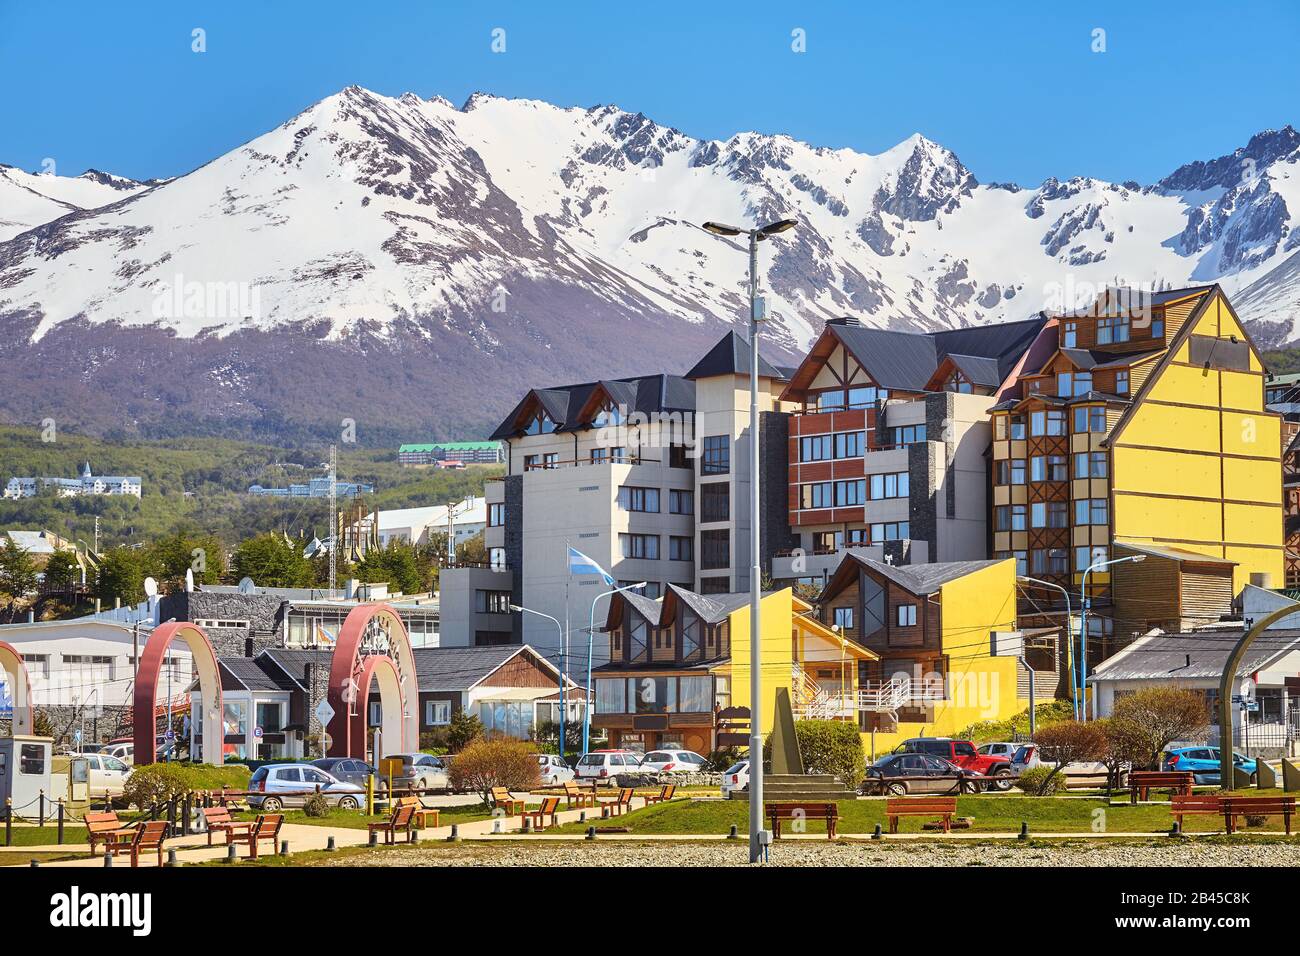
413, 265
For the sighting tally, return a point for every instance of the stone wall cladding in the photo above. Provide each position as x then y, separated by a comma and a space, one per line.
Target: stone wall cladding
514, 538
659, 779
922, 477
774, 486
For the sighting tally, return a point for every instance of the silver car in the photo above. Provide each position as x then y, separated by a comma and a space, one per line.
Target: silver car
419, 771
274, 786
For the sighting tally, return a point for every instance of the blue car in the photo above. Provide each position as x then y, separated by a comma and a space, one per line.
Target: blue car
1203, 762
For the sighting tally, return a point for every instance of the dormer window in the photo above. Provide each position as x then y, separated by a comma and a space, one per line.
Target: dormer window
1070, 335
957, 382
539, 424
1112, 329
1121, 382
609, 414
1071, 384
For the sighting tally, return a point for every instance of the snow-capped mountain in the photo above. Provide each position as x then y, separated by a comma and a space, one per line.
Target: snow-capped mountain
415, 264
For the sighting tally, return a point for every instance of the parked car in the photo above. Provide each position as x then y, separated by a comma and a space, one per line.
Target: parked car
105, 773
936, 775
123, 750
419, 771
607, 764
553, 769
999, 749
1078, 773
350, 770
274, 786
964, 755
1203, 762
736, 777
673, 761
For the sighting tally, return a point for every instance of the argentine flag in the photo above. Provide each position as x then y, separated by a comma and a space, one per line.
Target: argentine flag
579, 563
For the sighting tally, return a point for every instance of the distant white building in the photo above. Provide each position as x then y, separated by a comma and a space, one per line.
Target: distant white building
314, 488
420, 525
88, 484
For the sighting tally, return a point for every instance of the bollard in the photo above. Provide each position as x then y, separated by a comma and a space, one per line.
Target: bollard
1024, 831
42, 808
582, 816
329, 845
1176, 830
171, 858
230, 854
591, 833
9, 822
734, 834
528, 824
876, 833
108, 858
374, 838
36, 863
60, 839
284, 847
415, 836
185, 815
454, 836
498, 825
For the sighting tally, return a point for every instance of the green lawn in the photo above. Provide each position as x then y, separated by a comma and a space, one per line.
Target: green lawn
992, 814
39, 836
357, 820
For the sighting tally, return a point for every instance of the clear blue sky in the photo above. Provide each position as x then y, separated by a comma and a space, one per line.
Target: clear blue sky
1013, 88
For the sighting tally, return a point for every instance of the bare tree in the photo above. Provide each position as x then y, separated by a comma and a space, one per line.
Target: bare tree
1144, 723
1069, 742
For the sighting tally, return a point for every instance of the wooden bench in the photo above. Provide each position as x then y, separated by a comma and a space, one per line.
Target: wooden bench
548, 810
666, 793
217, 820
422, 814
266, 827
148, 836
1177, 782
788, 810
578, 797
1181, 806
502, 800
615, 807
107, 829
1233, 807
401, 819
942, 807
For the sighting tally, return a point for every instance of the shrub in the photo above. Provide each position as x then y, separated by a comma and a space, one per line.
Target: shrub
498, 762
159, 782
436, 741
1070, 741
831, 746
723, 759
1144, 723
1041, 782
464, 727
316, 806
1052, 712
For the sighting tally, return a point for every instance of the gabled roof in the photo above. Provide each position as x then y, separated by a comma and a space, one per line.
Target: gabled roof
906, 361
1172, 553
918, 579
979, 369
568, 406
731, 356
1196, 655
254, 673
460, 668
661, 612
1088, 359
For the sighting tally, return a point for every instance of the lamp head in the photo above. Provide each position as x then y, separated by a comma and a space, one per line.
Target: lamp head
772, 228
722, 229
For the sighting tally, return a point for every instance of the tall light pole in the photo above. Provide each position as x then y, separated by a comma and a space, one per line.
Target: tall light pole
591, 634
1069, 647
1083, 624
560, 628
757, 314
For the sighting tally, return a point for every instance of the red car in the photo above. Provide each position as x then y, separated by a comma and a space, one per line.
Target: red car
965, 755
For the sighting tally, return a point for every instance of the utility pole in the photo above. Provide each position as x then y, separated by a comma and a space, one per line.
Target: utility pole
334, 517
96, 534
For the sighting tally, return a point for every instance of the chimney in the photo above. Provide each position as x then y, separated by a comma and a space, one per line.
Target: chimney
248, 647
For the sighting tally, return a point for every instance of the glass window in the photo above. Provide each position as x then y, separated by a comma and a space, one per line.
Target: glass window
849, 493
1090, 418
1112, 328
1090, 511
492, 602
269, 716
1017, 427
1070, 334
695, 695
1038, 514
640, 546
31, 759
816, 495
1121, 382
681, 502
843, 618
864, 396
611, 695
1058, 515
716, 456
496, 515
890, 531
1090, 464
715, 550
906, 615
850, 444
891, 485
631, 498
906, 434
653, 695
816, 447
235, 718
681, 548
715, 501
437, 712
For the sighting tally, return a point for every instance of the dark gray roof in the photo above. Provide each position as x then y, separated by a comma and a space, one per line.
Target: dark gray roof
293, 661
460, 668
731, 356
253, 674
1195, 655
1087, 359
980, 369
923, 578
907, 360
647, 393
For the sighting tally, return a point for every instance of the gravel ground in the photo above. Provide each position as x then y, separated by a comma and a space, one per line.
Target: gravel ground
1172, 854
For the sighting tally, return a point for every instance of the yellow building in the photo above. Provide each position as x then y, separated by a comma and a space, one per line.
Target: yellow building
679, 662
1147, 424
945, 642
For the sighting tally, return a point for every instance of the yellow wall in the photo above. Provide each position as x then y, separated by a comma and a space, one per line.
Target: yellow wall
980, 687
1203, 437
776, 655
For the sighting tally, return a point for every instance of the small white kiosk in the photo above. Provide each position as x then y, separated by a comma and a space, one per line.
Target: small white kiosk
25, 767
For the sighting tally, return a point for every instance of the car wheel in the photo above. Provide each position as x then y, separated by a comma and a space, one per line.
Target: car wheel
271, 804
348, 803
969, 786
1003, 781
896, 789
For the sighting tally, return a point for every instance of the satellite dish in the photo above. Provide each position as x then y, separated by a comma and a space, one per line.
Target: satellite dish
246, 586
151, 587
189, 579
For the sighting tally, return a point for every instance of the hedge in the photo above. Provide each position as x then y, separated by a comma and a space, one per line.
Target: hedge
831, 746
159, 782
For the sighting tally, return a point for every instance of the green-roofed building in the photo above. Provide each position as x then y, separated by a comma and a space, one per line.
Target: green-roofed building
463, 452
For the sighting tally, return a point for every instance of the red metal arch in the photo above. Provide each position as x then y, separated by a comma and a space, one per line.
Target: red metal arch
350, 663
393, 703
146, 690
20, 688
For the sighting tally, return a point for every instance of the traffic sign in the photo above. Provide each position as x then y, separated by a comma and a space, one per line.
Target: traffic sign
257, 733
324, 712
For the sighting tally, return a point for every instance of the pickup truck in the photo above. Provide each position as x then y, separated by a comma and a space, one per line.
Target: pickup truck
964, 754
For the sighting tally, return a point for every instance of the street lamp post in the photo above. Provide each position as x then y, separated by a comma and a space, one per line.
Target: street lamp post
591, 636
560, 628
757, 313
1069, 648
1083, 624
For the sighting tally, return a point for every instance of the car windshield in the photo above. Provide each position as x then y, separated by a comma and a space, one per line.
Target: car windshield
258, 775
1022, 754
